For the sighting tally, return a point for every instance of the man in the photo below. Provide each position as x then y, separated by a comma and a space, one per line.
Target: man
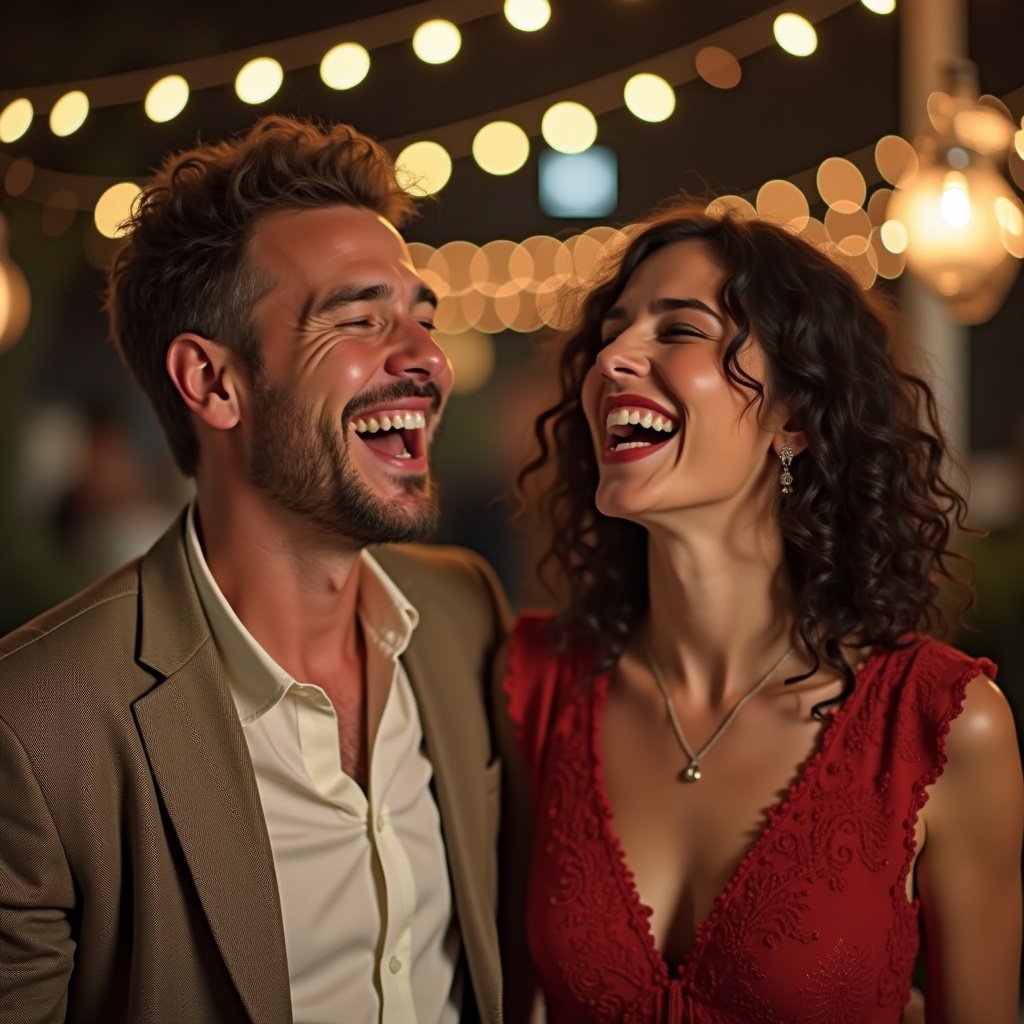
249, 777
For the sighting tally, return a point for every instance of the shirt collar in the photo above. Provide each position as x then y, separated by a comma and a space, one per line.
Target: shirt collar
257, 682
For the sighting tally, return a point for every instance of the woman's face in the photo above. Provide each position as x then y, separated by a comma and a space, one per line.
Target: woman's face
661, 366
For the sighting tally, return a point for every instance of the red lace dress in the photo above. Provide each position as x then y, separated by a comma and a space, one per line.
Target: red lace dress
814, 926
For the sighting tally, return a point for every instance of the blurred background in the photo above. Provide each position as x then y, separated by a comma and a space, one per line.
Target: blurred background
535, 130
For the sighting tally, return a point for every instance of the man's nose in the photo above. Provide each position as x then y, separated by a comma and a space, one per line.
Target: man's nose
416, 355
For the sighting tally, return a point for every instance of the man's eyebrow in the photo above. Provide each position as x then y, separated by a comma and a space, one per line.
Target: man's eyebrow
350, 294
666, 305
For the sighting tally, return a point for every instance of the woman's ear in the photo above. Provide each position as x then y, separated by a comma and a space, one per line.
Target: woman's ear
787, 435
204, 372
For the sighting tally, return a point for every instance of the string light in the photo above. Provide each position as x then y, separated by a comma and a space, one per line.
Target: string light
436, 41
69, 113
166, 98
16, 119
880, 6
501, 147
114, 207
568, 127
344, 66
527, 15
259, 80
649, 97
423, 168
795, 35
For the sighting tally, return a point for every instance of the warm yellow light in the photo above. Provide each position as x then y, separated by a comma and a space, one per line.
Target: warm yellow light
166, 98
880, 6
841, 184
795, 35
15, 119
437, 41
423, 168
69, 113
344, 66
569, 127
258, 80
734, 206
501, 147
782, 202
527, 15
895, 158
649, 97
959, 227
1018, 143
113, 207
894, 236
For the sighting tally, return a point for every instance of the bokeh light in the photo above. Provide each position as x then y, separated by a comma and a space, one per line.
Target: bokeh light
344, 66
113, 207
718, 67
736, 206
423, 168
16, 119
781, 201
649, 97
796, 35
69, 113
569, 127
436, 41
258, 80
894, 236
166, 98
895, 159
59, 212
527, 15
841, 184
19, 176
880, 6
501, 147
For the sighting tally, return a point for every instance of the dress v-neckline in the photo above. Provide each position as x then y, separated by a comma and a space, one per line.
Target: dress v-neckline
640, 913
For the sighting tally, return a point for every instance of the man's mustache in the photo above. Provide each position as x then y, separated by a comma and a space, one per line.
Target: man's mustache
393, 393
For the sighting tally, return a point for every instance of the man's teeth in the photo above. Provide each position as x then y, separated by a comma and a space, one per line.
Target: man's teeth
390, 421
646, 418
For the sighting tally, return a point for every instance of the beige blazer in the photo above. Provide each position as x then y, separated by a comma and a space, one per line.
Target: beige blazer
136, 878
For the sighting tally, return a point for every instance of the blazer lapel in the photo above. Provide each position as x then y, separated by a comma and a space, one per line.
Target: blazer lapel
201, 765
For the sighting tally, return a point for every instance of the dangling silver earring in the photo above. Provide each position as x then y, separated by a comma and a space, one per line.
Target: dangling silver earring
785, 477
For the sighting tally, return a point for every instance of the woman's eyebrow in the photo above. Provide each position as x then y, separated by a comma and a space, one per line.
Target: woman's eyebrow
666, 305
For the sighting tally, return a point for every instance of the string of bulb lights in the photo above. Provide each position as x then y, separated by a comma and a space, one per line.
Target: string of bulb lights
505, 285
499, 143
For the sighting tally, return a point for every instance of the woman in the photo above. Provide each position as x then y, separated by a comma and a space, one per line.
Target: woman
748, 770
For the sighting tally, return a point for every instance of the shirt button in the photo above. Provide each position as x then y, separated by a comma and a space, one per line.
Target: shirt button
394, 965
390, 636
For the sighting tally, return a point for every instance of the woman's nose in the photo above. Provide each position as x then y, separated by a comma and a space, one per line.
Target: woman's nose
623, 357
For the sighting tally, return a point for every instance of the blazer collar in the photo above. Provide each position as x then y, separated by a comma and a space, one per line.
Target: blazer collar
202, 769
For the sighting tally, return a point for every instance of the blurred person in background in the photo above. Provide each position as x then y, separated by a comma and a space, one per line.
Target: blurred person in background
752, 774
249, 776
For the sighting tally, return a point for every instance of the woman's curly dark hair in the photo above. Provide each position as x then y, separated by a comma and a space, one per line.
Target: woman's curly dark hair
866, 530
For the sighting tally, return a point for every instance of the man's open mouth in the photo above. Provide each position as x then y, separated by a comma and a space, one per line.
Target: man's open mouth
396, 433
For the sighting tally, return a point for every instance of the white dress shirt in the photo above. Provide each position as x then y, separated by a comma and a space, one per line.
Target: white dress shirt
366, 899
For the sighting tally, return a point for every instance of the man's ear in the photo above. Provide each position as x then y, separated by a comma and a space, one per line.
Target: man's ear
205, 374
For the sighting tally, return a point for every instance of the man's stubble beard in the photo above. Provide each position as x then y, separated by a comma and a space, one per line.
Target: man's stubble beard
303, 463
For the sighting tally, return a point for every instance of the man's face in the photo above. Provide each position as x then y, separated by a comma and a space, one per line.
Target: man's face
351, 387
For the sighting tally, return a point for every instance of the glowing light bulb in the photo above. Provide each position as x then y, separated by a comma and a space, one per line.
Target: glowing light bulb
569, 127
15, 119
344, 66
437, 41
527, 15
796, 35
423, 168
955, 203
501, 147
114, 207
259, 80
880, 6
166, 98
649, 97
69, 113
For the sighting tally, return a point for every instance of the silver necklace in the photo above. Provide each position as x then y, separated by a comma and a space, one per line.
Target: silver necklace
692, 772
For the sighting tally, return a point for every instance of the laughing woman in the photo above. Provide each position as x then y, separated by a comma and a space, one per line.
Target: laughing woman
754, 779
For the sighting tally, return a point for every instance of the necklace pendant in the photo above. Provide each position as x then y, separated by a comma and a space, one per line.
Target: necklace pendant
692, 772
